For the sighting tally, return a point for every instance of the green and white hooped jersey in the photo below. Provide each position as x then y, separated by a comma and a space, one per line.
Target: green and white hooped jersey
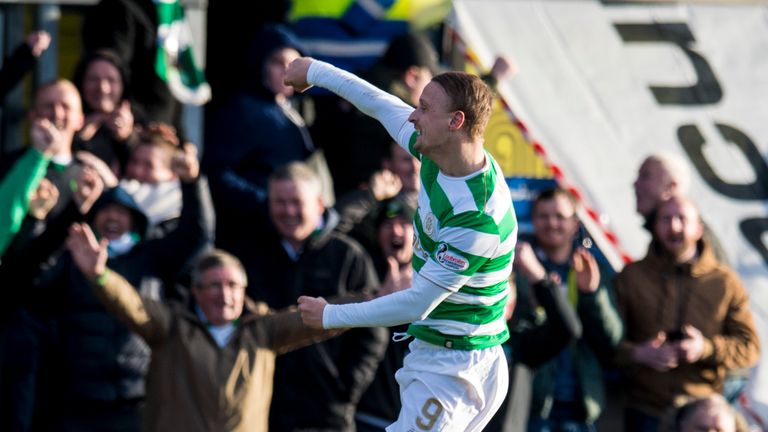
464, 240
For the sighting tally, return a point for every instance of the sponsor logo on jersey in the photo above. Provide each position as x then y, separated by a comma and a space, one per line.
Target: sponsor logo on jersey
449, 259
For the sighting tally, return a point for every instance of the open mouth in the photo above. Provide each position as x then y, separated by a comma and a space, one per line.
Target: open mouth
290, 223
112, 229
675, 240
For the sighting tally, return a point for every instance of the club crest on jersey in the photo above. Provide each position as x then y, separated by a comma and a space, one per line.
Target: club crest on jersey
430, 224
450, 260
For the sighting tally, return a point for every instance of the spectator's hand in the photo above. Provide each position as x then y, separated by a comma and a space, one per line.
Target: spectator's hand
88, 190
89, 255
93, 162
656, 354
384, 184
691, 347
93, 122
121, 121
311, 309
527, 263
587, 271
43, 199
296, 75
397, 277
185, 163
503, 68
46, 138
38, 42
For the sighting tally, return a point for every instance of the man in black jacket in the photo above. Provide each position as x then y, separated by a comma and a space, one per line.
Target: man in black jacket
55, 116
317, 387
392, 257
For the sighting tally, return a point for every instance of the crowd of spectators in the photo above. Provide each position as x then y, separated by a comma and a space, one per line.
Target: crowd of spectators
138, 297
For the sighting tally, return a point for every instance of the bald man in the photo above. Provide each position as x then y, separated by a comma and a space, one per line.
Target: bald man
661, 176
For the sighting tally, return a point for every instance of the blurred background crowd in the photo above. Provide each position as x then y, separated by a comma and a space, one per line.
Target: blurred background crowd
278, 195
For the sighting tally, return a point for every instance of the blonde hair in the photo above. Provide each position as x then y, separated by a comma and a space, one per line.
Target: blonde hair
470, 95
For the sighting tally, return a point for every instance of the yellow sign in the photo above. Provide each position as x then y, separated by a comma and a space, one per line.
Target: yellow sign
506, 142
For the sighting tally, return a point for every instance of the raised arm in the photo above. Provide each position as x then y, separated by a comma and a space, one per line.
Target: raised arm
15, 190
149, 319
388, 109
560, 328
194, 232
562, 324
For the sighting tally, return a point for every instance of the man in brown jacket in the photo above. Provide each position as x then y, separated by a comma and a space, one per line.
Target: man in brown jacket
686, 315
212, 363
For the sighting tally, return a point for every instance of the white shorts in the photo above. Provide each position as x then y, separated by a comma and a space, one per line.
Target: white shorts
445, 389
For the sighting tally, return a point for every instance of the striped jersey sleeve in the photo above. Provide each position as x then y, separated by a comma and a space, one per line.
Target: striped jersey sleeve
464, 241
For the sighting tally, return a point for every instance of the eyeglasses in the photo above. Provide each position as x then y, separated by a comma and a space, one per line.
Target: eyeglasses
221, 285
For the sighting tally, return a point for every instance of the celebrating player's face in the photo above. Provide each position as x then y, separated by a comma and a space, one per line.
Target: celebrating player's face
432, 119
295, 209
